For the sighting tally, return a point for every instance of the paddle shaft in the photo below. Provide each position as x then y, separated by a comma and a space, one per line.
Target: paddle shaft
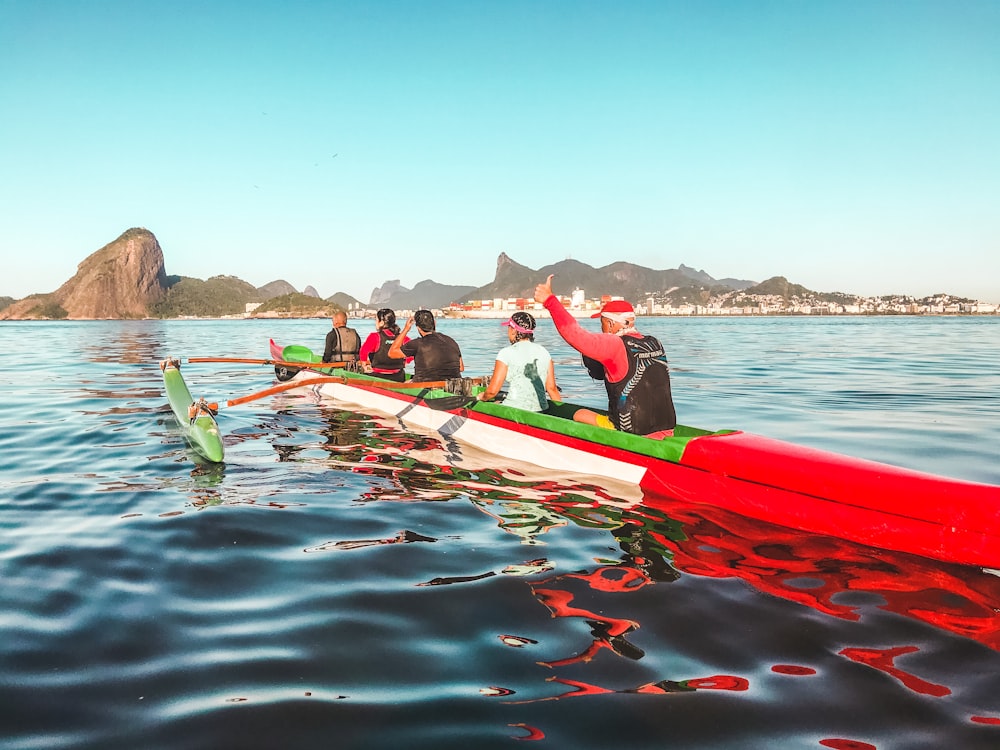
305, 383
277, 362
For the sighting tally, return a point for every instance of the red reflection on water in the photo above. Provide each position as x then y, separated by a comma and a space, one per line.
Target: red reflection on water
792, 669
559, 602
838, 744
616, 579
717, 682
775, 560
533, 733
883, 660
995, 720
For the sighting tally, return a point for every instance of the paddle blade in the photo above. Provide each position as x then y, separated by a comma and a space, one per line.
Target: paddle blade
448, 403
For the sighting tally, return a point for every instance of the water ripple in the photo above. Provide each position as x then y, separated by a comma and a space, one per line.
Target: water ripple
341, 581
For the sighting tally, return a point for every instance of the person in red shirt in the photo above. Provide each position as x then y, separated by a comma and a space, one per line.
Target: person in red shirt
374, 354
633, 367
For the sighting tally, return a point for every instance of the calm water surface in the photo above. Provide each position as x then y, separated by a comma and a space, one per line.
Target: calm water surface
346, 582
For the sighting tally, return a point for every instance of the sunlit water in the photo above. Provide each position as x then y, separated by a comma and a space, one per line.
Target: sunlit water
345, 582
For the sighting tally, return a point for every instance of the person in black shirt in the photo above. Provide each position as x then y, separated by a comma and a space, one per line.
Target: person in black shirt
435, 356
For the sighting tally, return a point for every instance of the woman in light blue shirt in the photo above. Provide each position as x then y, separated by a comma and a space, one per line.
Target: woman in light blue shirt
526, 366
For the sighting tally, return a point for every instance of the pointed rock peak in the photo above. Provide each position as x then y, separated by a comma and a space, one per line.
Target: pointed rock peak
382, 294
121, 280
507, 266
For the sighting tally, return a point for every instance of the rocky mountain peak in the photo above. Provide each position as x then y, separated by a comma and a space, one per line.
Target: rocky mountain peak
384, 293
121, 280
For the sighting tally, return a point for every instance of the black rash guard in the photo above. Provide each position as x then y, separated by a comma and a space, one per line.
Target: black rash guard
435, 357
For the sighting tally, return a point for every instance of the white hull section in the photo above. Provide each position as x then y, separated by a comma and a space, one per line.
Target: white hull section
494, 439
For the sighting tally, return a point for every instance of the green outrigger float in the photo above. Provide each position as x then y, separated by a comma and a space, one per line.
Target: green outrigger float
196, 418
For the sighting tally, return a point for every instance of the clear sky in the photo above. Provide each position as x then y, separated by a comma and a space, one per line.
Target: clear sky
849, 146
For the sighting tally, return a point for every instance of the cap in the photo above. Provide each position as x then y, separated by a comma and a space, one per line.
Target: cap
617, 307
521, 322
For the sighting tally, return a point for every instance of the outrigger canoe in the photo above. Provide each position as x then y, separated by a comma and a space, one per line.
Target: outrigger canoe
196, 418
758, 477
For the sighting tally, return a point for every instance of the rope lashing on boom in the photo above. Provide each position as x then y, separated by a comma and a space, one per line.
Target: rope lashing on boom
463, 386
202, 408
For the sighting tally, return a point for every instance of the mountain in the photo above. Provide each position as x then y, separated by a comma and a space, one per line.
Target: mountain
296, 305
381, 295
702, 278
344, 301
126, 279
618, 279
218, 296
779, 286
426, 294
121, 280
276, 289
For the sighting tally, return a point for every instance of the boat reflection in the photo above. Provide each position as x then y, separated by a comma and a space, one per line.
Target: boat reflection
825, 572
662, 539
658, 541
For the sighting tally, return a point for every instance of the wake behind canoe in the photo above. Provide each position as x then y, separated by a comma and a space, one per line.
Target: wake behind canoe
197, 422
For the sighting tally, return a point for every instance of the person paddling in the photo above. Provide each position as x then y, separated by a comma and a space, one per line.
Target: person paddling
633, 367
374, 353
526, 366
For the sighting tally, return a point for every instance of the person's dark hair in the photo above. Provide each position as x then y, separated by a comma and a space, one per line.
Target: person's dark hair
524, 326
424, 320
387, 318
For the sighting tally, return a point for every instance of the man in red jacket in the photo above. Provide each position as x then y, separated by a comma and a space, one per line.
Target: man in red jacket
633, 367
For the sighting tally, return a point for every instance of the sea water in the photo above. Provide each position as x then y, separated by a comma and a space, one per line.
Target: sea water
342, 581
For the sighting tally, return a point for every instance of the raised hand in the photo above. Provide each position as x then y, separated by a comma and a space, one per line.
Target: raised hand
544, 290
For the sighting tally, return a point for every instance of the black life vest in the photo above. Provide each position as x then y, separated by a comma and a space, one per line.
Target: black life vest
641, 402
380, 359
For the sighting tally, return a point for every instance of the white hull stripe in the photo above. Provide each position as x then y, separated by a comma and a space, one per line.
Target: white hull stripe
495, 439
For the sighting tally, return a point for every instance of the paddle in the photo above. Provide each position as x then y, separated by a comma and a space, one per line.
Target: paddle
278, 362
337, 379
278, 389
448, 403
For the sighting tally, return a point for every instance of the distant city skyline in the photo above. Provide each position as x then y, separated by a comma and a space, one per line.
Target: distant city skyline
847, 146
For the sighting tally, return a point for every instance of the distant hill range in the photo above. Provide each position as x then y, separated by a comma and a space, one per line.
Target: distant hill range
515, 280
127, 279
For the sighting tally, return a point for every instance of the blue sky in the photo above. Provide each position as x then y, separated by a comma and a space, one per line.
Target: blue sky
849, 146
